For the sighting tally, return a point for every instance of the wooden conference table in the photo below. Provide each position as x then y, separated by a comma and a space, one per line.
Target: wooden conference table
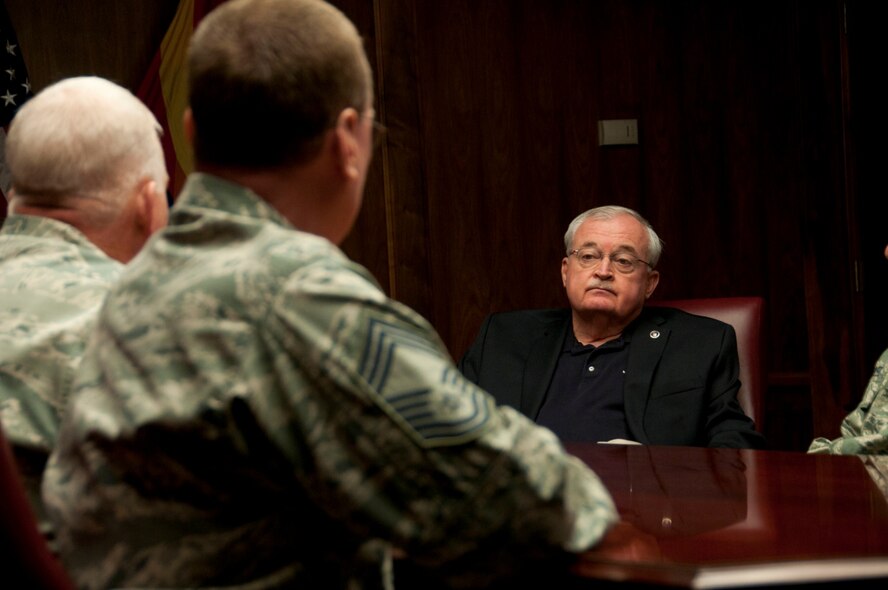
726, 518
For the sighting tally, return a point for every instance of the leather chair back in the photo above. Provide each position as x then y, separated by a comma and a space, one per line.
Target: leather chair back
25, 559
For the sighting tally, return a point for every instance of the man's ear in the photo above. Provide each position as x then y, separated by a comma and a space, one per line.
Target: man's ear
145, 212
188, 125
345, 144
10, 197
151, 207
653, 279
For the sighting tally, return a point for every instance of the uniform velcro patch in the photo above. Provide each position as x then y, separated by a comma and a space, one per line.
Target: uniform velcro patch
420, 388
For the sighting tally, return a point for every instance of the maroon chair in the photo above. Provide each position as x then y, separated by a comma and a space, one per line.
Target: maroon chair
746, 315
24, 555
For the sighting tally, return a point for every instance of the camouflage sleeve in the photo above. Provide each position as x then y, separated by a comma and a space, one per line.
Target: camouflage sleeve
865, 430
405, 448
877, 467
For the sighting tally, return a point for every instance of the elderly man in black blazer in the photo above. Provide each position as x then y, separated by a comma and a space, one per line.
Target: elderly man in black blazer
608, 368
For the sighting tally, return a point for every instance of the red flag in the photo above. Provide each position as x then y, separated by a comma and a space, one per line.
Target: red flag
15, 89
165, 89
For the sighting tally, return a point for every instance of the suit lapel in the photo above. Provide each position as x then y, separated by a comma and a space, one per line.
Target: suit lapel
541, 366
648, 339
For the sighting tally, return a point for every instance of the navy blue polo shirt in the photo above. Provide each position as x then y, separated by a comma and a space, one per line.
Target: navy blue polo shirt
584, 402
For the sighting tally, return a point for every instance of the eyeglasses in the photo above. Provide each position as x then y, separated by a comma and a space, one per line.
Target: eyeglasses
379, 131
623, 262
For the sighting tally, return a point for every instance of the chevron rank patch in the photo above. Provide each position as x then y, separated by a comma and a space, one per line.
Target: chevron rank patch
421, 389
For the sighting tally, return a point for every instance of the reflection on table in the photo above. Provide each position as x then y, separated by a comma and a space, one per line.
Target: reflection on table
719, 518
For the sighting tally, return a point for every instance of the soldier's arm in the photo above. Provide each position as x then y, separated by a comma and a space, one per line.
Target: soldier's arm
403, 447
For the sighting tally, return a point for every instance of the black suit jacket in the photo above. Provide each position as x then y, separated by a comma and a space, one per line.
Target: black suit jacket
681, 375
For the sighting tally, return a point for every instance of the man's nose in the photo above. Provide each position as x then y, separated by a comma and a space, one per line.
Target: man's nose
604, 267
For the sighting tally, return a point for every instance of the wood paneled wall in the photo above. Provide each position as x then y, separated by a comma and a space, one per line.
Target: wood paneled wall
746, 165
115, 39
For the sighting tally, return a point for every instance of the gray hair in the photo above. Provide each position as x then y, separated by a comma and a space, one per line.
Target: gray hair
654, 244
84, 137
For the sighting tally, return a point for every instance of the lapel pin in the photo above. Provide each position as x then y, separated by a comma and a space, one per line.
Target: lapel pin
655, 334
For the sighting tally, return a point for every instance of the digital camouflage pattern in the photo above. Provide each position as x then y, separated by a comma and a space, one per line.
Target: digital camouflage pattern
877, 467
52, 283
865, 430
255, 413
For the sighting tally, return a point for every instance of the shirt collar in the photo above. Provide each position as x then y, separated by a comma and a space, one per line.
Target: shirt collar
573, 346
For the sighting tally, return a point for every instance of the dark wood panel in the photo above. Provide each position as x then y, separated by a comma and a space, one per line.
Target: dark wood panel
403, 206
867, 130
367, 243
826, 220
643, 71
115, 39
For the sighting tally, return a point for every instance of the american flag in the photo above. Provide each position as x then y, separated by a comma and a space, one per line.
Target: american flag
15, 89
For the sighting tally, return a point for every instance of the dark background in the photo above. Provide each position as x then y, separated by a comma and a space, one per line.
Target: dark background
760, 128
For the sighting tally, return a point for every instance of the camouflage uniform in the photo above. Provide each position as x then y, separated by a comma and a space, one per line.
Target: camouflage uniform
255, 413
877, 467
52, 283
865, 430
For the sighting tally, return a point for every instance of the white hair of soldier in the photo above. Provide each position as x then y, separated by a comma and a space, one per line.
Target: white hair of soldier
654, 245
84, 138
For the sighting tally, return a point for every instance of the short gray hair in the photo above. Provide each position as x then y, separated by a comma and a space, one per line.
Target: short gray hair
84, 137
654, 245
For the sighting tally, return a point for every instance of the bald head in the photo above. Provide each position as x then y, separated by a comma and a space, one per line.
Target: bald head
83, 142
86, 152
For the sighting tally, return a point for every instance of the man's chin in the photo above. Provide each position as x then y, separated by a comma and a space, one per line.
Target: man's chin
597, 305
599, 299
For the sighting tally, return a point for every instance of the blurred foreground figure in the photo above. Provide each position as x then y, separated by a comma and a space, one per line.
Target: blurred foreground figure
88, 189
254, 412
